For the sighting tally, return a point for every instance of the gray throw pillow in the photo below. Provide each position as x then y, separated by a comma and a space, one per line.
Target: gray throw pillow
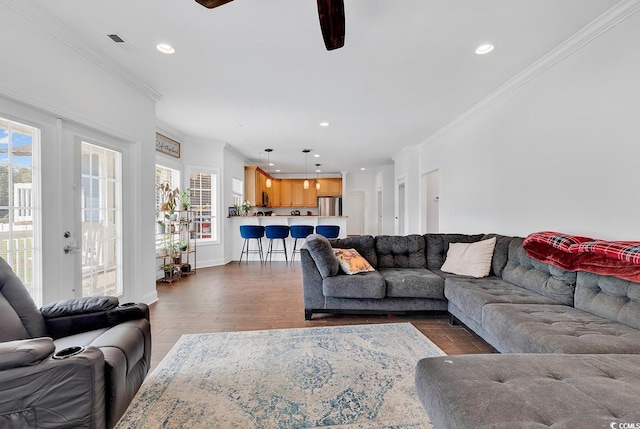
322, 253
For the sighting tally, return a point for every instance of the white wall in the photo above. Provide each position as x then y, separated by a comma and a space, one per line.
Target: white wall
560, 153
234, 164
43, 79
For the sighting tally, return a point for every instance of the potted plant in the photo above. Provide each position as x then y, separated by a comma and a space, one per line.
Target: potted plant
244, 208
167, 268
168, 196
185, 199
161, 226
184, 245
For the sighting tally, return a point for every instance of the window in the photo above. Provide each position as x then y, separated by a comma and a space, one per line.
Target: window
19, 203
237, 188
203, 193
166, 175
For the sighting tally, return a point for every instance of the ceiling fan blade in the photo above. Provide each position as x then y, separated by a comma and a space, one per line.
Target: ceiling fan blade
213, 3
331, 13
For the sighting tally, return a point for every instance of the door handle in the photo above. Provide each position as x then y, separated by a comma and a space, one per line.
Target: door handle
68, 249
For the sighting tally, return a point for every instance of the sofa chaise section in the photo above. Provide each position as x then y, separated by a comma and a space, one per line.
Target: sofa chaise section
530, 390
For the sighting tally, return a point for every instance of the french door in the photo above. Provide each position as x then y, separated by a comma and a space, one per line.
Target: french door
100, 221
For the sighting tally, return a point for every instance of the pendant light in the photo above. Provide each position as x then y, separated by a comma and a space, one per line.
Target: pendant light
268, 166
317, 182
306, 181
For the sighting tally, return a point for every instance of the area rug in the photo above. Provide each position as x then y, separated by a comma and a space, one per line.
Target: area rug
359, 376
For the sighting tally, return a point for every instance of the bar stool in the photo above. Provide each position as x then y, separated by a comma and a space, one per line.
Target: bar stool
329, 231
275, 232
248, 232
299, 231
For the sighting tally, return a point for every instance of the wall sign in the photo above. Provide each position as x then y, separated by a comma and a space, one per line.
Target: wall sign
166, 145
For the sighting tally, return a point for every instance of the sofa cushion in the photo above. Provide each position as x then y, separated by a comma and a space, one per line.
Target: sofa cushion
472, 295
530, 391
531, 328
437, 245
322, 254
609, 297
364, 244
470, 259
500, 253
413, 283
363, 285
547, 280
351, 262
400, 251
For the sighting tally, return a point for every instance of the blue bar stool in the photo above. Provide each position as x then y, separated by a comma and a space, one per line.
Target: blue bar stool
275, 232
329, 231
299, 231
248, 232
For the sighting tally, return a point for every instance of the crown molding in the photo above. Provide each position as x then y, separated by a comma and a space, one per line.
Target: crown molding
591, 31
405, 150
57, 29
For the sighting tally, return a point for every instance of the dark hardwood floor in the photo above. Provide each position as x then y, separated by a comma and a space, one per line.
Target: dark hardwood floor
253, 297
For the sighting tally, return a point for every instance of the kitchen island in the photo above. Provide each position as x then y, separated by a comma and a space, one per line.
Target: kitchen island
237, 241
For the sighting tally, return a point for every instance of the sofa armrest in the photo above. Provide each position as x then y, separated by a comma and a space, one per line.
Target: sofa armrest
66, 393
75, 316
20, 353
72, 307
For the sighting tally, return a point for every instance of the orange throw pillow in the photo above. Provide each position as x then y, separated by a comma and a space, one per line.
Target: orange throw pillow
351, 261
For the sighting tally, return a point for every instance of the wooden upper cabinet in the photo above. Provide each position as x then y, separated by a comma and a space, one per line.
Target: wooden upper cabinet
311, 195
330, 187
275, 193
298, 198
255, 183
286, 193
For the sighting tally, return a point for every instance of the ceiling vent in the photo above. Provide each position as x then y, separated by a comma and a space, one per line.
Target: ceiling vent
121, 42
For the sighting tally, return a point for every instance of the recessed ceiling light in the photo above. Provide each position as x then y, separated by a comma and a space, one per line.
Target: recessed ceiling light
362, 169
324, 124
277, 171
484, 49
317, 155
165, 48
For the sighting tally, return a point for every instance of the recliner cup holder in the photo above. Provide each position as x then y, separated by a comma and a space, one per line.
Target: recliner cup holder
68, 352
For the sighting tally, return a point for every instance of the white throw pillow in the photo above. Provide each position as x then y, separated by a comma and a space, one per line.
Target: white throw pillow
470, 259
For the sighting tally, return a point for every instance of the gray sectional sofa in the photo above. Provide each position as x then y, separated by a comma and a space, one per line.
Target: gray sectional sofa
570, 340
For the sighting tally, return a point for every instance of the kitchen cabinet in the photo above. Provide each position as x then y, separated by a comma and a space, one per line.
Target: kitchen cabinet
311, 195
255, 183
275, 193
330, 187
286, 193
298, 193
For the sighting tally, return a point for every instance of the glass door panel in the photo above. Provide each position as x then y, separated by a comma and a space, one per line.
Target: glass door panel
101, 215
18, 214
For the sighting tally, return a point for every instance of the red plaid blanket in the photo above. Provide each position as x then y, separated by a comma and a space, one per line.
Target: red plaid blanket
575, 253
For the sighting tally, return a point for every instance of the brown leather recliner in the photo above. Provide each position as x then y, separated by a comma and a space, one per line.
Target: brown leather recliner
72, 364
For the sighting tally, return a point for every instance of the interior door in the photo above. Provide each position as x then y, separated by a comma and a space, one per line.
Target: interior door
433, 201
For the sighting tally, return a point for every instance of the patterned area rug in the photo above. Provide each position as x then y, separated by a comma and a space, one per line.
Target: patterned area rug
358, 376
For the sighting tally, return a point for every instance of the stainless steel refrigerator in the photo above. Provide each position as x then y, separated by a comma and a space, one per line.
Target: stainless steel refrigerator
329, 206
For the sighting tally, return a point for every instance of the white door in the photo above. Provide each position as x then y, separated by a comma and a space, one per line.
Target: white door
93, 232
433, 201
401, 210
354, 209
380, 212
